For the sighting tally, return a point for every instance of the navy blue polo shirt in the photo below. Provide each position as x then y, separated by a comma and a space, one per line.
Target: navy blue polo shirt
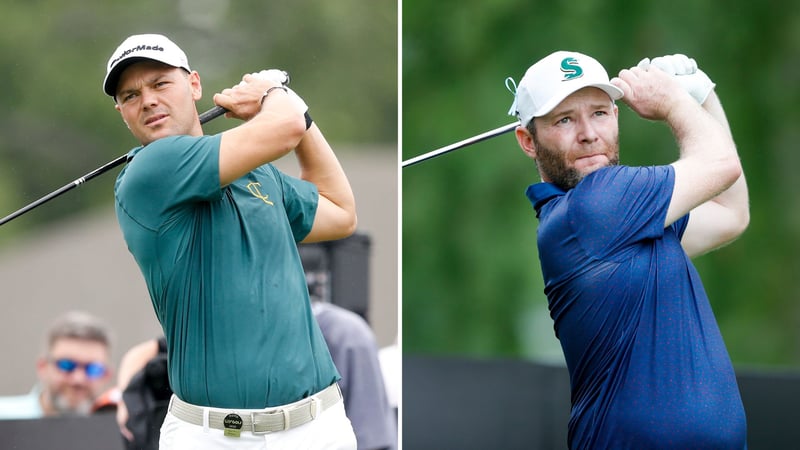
647, 363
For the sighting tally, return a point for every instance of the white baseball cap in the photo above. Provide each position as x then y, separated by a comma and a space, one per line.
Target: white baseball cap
552, 79
138, 47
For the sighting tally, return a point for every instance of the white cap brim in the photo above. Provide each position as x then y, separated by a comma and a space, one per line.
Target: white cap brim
614, 92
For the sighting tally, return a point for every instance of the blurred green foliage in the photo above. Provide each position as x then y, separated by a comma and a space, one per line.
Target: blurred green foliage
57, 125
471, 279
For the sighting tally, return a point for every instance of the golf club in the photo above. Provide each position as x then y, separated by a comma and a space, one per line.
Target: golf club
211, 114
461, 144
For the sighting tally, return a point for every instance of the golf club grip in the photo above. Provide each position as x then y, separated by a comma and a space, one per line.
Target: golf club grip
212, 113
209, 115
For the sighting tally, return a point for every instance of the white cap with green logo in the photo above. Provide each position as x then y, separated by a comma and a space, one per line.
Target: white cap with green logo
552, 79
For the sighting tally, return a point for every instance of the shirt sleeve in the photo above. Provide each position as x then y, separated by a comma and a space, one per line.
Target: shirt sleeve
167, 174
300, 199
619, 206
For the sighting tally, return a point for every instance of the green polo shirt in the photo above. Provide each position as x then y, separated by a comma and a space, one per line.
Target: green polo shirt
224, 274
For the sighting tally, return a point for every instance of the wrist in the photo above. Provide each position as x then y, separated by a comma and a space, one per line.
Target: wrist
682, 115
268, 91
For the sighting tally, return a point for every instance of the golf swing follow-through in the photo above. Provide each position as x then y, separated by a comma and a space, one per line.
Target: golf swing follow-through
214, 228
647, 363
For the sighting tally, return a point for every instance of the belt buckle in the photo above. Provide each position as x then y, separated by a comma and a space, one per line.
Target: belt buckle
283, 412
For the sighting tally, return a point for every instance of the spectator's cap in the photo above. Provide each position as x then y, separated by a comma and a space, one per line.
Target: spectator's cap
139, 47
552, 79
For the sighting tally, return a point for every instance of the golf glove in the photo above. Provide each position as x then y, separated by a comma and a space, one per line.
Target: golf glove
686, 72
278, 76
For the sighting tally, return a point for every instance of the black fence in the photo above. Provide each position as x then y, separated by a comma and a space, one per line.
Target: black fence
459, 403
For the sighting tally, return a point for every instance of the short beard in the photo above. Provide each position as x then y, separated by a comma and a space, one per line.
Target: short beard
62, 406
551, 163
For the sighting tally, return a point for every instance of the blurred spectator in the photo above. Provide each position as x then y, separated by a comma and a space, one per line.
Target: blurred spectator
73, 372
355, 353
354, 350
144, 383
391, 368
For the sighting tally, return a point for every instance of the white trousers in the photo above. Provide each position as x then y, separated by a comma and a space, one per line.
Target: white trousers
331, 430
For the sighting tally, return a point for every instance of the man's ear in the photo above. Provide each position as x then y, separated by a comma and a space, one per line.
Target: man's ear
41, 367
525, 141
197, 87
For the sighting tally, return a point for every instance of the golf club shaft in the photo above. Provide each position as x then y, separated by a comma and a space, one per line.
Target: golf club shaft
461, 144
211, 114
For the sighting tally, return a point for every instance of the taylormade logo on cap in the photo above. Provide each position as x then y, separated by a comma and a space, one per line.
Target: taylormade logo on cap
138, 48
552, 79
142, 46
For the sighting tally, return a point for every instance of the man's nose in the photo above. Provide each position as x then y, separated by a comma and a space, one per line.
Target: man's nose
149, 98
78, 376
587, 131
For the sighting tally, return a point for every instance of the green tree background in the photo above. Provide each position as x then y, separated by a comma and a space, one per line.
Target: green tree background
471, 281
56, 124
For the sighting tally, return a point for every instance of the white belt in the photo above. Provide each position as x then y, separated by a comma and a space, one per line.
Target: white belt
259, 421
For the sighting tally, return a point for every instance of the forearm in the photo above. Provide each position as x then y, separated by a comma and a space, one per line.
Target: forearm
723, 217
708, 164
736, 196
336, 211
702, 132
319, 165
700, 126
134, 360
274, 126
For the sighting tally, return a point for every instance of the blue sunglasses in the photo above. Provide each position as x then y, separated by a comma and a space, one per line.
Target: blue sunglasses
93, 369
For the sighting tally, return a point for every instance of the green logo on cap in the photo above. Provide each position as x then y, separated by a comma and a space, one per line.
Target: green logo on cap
571, 69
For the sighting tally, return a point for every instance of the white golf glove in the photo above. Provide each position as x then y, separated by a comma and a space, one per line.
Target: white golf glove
278, 76
686, 72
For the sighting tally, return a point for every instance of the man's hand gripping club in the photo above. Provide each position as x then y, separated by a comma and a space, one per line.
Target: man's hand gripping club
685, 72
245, 100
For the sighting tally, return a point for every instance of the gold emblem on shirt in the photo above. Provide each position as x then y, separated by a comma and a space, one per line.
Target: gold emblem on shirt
253, 188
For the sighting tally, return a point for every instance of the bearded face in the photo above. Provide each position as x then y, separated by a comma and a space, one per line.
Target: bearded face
556, 167
577, 137
73, 375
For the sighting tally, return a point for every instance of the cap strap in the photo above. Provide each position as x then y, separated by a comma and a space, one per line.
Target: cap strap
513, 110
